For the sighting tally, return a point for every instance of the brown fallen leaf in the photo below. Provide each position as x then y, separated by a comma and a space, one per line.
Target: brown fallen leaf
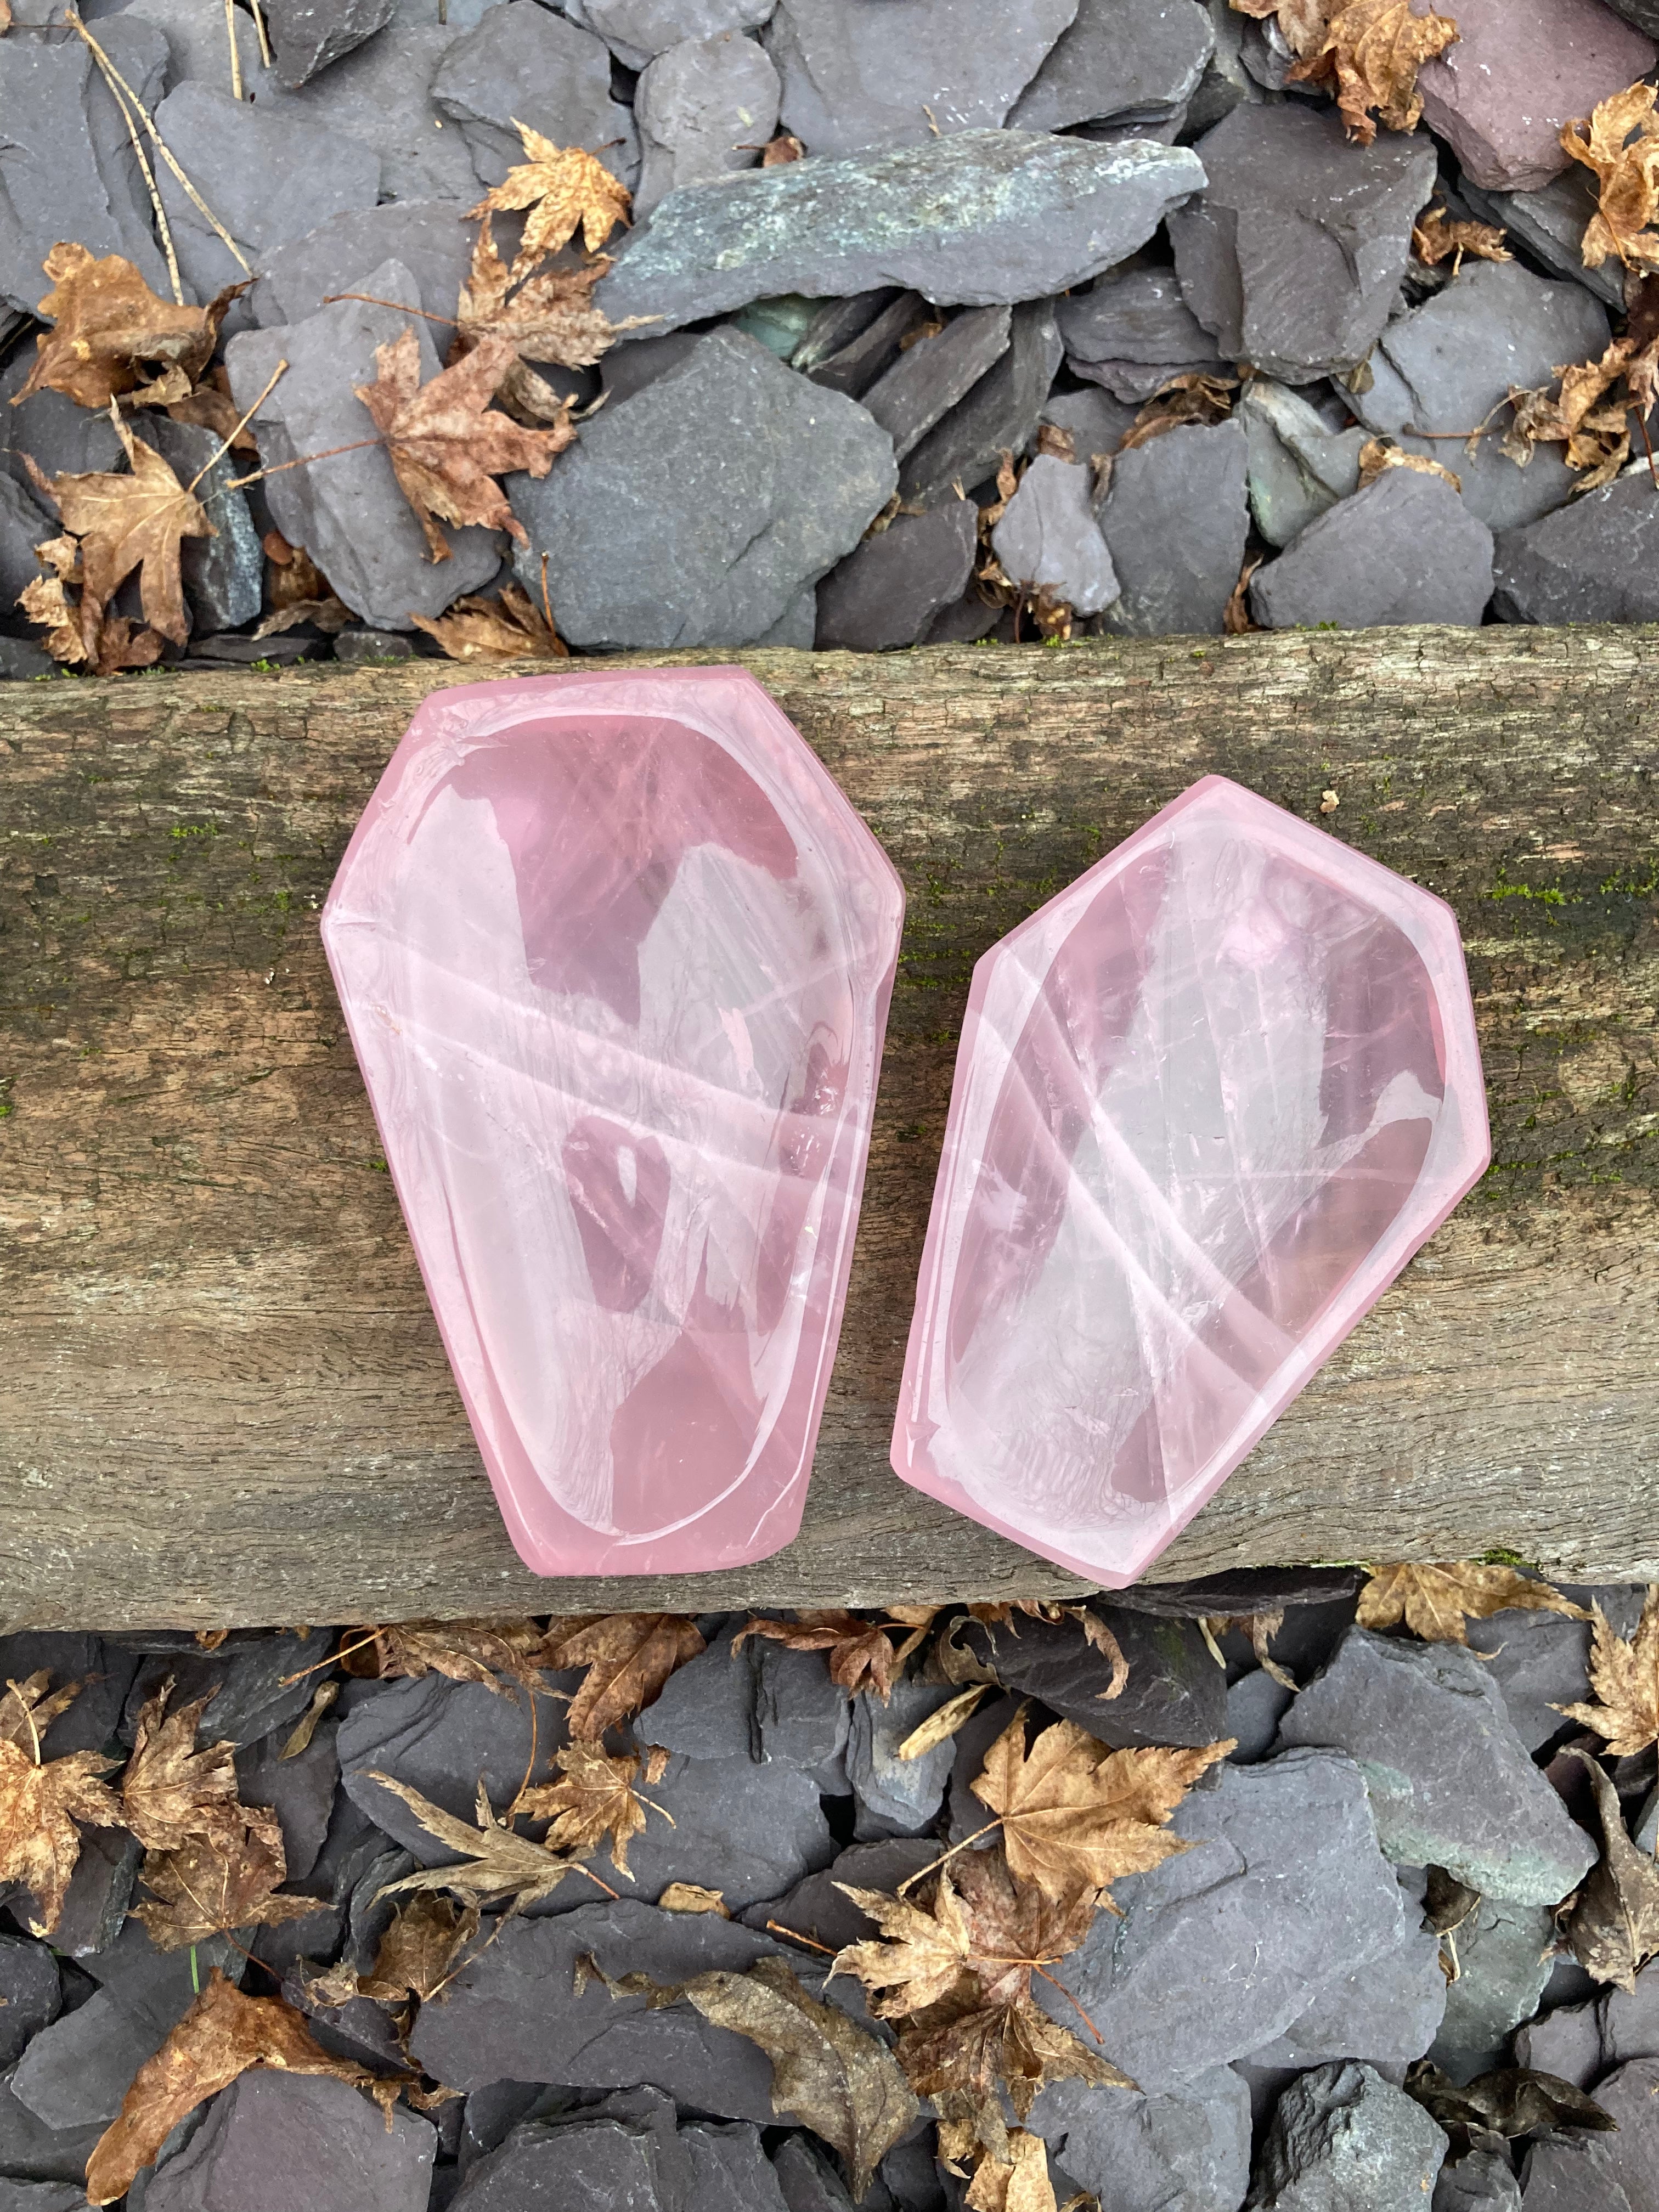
498, 1862
784, 147
827, 2073
447, 444
77, 630
940, 1727
1618, 143
210, 407
987, 2050
862, 1653
1074, 1815
628, 1657
1192, 397
1437, 237
212, 1884
507, 627
1368, 56
418, 1954
134, 521
1434, 1601
692, 1897
40, 1802
566, 190
551, 317
1235, 617
594, 1798
1259, 1627
1613, 1928
297, 591
112, 335
305, 1727
495, 1653
170, 1790
221, 2036
1624, 1677
1018, 2183
1510, 2101
1592, 426
1379, 455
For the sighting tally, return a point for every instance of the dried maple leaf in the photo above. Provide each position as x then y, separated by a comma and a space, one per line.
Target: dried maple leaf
550, 317
134, 521
940, 1727
509, 627
40, 1803
1512, 2100
1613, 1928
921, 1954
862, 1652
1625, 1680
222, 2036
418, 1954
297, 591
1595, 431
1437, 237
692, 1897
1368, 56
481, 1651
1435, 1601
110, 334
1193, 397
446, 445
1018, 2183
1074, 1815
1010, 2048
566, 189
1379, 455
497, 1864
594, 1798
213, 1883
628, 1657
210, 407
170, 1790
1618, 143
27, 1712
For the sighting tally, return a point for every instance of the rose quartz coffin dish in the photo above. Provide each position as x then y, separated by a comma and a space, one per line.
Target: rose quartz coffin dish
615, 955
1209, 1101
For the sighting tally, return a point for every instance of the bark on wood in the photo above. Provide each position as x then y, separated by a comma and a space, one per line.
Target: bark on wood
222, 1398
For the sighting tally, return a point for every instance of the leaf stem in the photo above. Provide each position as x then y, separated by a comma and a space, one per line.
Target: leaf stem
910, 1880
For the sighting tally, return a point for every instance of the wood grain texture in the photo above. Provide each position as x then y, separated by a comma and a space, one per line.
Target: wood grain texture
222, 1397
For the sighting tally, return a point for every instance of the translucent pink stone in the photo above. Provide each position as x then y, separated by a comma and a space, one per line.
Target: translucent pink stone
1208, 1103
615, 955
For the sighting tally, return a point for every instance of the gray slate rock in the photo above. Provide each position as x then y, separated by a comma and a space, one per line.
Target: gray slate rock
1567, 2042
637, 30
1631, 2097
928, 377
850, 361
250, 1677
298, 2139
808, 2180
1186, 2151
100, 1890
1405, 549
1385, 2013
350, 515
890, 587
1450, 1781
747, 1829
22, 527
1223, 1947
700, 512
1569, 2174
1540, 1661
705, 108
197, 42
61, 437
1504, 1961
598, 2162
299, 1790
43, 2196
977, 219
1297, 468
862, 73
1293, 256
442, 1738
1550, 223
422, 235
706, 1707
1256, 1705
1174, 1694
1048, 537
372, 648
20, 662
729, 2169
75, 2072
1630, 2021
1226, 82
1141, 63
224, 576
1343, 2136
235, 149
33, 1990
1176, 518
1094, 421
523, 60
1448, 364
1479, 2181
1594, 561
801, 1715
897, 1796
817, 1907
30, 2151
627, 369
381, 97
306, 35
1132, 330
998, 416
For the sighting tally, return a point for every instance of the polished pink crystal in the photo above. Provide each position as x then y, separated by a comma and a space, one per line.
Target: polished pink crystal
615, 955
1209, 1101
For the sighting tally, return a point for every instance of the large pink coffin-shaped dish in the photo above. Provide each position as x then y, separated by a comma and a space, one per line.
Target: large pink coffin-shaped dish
616, 955
1208, 1103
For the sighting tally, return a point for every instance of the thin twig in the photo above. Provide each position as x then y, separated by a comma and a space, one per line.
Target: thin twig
371, 300
260, 26
530, 1765
777, 1927
363, 1642
300, 461
161, 223
933, 1867
212, 460
235, 57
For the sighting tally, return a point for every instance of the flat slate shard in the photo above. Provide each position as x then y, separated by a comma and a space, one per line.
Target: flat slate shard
1479, 2181
1519, 72
1297, 466
442, 1739
748, 1828
22, 527
1503, 1960
1386, 2013
1175, 518
224, 574
819, 1908
1452, 362
1343, 2135
636, 30
350, 515
273, 2141
199, 41
897, 1796
32, 1990
700, 511
1292, 257
705, 108
1404, 550
1102, 1332
1540, 1661
1175, 1693
868, 74
306, 35
929, 377
1138, 63
596, 2162
1186, 2151
889, 587
422, 235
1450, 1781
1596, 560
647, 947
1550, 223
30, 2151
381, 96
524, 60
998, 416
259, 1683
1132, 330
978, 219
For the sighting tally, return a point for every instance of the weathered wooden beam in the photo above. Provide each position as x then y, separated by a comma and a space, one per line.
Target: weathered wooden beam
222, 1397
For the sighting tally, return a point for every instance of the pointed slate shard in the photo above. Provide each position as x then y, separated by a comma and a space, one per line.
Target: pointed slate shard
1138, 63
889, 587
306, 35
523, 59
1188, 2149
615, 956
929, 377
293, 2139
1344, 2136
1298, 467
1132, 331
1208, 1103
1593, 561
998, 416
1048, 537
1404, 550
634, 30
1176, 518
381, 96
705, 107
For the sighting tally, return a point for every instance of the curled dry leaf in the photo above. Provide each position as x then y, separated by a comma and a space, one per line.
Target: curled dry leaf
1618, 143
135, 521
418, 1954
628, 1657
1613, 1928
1437, 237
1018, 2183
210, 407
566, 190
1435, 1601
222, 2036
112, 335
446, 445
1193, 397
29, 1707
508, 628
1236, 618
862, 1653
1512, 2100
496, 1654
939, 1727
1365, 52
170, 1790
297, 591
594, 1798
548, 317
40, 1802
1379, 455
1625, 1680
1592, 429
215, 1882
497, 1863
784, 147
305, 1727
1259, 1627
692, 1897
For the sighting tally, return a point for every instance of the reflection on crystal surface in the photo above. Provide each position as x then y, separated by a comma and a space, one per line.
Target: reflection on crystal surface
615, 955
1208, 1103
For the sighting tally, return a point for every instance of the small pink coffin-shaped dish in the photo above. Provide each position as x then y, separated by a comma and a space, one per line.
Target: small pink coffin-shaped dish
1209, 1101
615, 955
